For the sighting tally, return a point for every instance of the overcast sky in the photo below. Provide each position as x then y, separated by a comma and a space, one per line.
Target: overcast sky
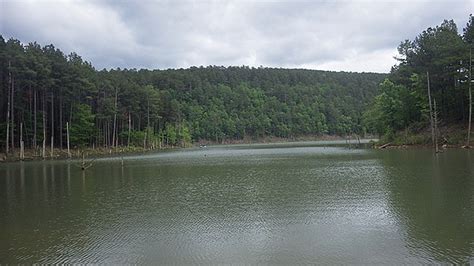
329, 35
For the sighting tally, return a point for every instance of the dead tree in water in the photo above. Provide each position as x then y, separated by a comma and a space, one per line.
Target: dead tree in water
85, 165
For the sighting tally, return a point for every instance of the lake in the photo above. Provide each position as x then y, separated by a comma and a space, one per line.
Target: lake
293, 203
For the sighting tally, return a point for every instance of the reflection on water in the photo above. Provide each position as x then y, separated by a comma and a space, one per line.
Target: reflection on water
242, 204
432, 196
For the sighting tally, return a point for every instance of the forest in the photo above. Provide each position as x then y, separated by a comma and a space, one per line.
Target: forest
432, 81
47, 95
50, 99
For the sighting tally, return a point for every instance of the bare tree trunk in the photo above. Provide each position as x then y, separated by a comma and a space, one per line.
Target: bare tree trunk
22, 145
431, 110
435, 112
44, 124
470, 100
7, 142
148, 123
61, 122
67, 135
30, 94
34, 121
104, 132
12, 128
115, 120
52, 124
116, 133
107, 130
129, 128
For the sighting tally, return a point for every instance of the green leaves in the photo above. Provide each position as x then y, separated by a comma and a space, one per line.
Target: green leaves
175, 106
403, 101
394, 108
82, 126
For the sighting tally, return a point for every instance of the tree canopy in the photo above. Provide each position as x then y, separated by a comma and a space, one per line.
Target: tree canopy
46, 88
440, 54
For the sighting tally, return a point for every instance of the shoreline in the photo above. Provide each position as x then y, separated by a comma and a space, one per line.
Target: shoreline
390, 146
90, 153
96, 153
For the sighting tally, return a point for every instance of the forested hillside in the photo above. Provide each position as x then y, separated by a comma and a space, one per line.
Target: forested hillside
43, 90
440, 59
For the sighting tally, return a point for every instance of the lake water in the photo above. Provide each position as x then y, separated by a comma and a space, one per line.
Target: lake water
313, 202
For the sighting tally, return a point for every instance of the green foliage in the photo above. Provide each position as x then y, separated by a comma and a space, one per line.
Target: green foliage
394, 108
176, 106
82, 126
402, 102
443, 53
185, 136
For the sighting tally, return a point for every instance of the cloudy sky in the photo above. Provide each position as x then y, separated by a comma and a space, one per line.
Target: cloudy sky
322, 34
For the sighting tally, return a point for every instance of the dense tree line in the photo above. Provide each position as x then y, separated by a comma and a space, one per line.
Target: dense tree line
45, 93
439, 58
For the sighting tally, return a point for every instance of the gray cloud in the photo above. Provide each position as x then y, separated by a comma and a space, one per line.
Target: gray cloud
334, 35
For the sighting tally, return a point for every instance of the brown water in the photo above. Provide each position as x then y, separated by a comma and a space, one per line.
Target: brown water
277, 204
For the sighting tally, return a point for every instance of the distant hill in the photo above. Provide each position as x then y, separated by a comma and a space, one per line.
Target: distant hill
170, 107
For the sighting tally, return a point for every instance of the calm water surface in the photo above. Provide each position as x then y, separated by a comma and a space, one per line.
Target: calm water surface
275, 204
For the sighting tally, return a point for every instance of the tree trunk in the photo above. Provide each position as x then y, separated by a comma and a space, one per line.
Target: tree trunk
435, 112
431, 110
129, 128
470, 100
44, 124
106, 133
12, 128
61, 122
34, 120
67, 135
22, 145
107, 130
148, 123
7, 142
115, 120
116, 133
30, 94
52, 124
